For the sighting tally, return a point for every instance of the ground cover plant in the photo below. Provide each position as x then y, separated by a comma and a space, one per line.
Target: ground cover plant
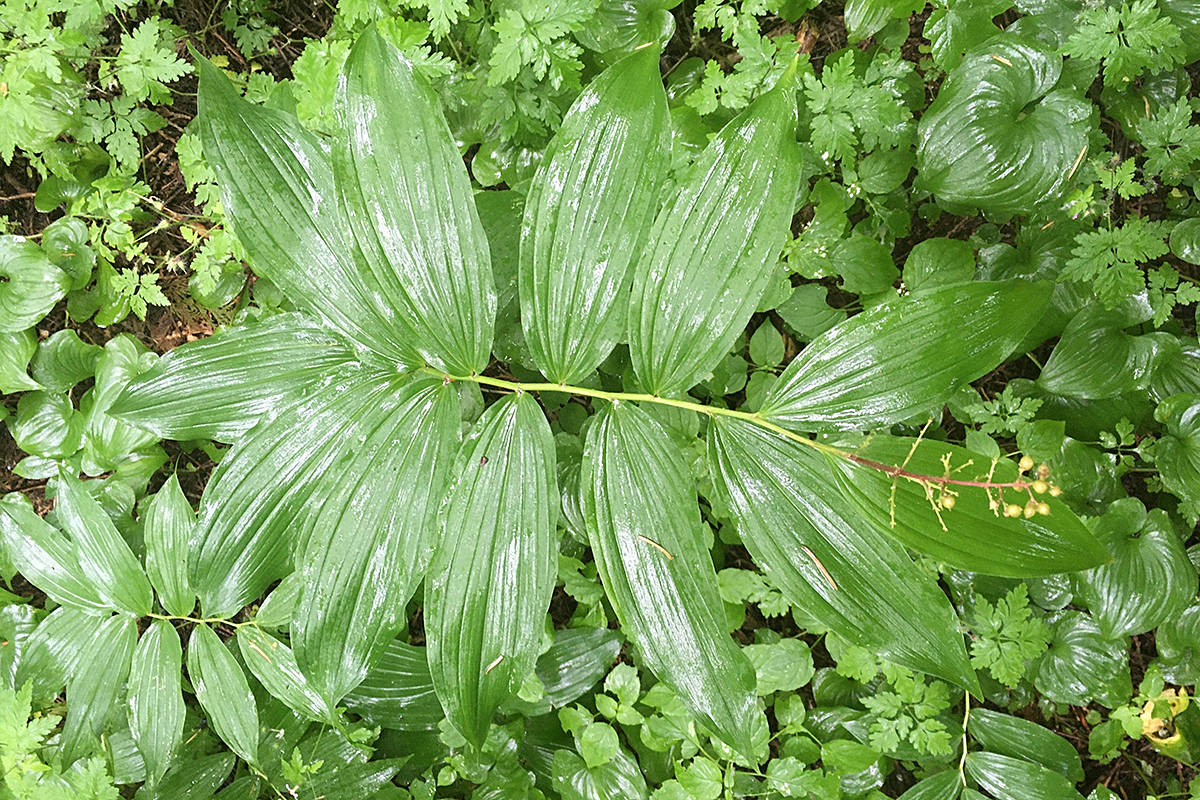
600, 399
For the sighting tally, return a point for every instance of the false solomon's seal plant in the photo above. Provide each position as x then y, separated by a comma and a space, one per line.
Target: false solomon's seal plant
351, 480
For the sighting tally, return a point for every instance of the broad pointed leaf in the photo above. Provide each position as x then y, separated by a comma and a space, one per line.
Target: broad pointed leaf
97, 682
166, 527
103, 554
54, 649
30, 284
713, 247
265, 497
223, 692
403, 181
587, 215
1082, 664
1149, 580
272, 662
491, 580
156, 698
15, 351
373, 538
1020, 738
222, 386
973, 536
398, 691
277, 188
644, 526
1002, 135
904, 357
808, 541
46, 557
1011, 778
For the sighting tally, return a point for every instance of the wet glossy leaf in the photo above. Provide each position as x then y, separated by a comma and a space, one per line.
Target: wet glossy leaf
96, 684
904, 357
196, 778
618, 777
576, 661
222, 386
1149, 580
1185, 236
398, 691
166, 526
1020, 738
490, 582
30, 285
265, 497
15, 351
43, 555
107, 441
155, 697
972, 536
1010, 778
223, 692
64, 360
103, 555
1001, 135
714, 245
1096, 359
272, 662
1178, 644
942, 786
53, 651
644, 527
277, 188
1083, 664
1177, 454
368, 553
587, 215
426, 262
46, 425
807, 540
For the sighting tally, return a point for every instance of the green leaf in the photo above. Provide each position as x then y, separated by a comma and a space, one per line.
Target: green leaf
705, 268
1083, 664
1010, 778
780, 667
52, 652
277, 188
1000, 135
954, 28
620, 777
806, 539
904, 357
30, 285
1178, 644
576, 660
936, 262
222, 386
368, 553
45, 557
942, 786
106, 441
398, 692
272, 662
1185, 240
103, 555
266, 496
973, 536
166, 526
64, 360
156, 707
644, 527
15, 351
587, 215
491, 580
223, 692
426, 259
1094, 359
196, 778
96, 683
1149, 580
1177, 454
864, 264
46, 425
1020, 738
